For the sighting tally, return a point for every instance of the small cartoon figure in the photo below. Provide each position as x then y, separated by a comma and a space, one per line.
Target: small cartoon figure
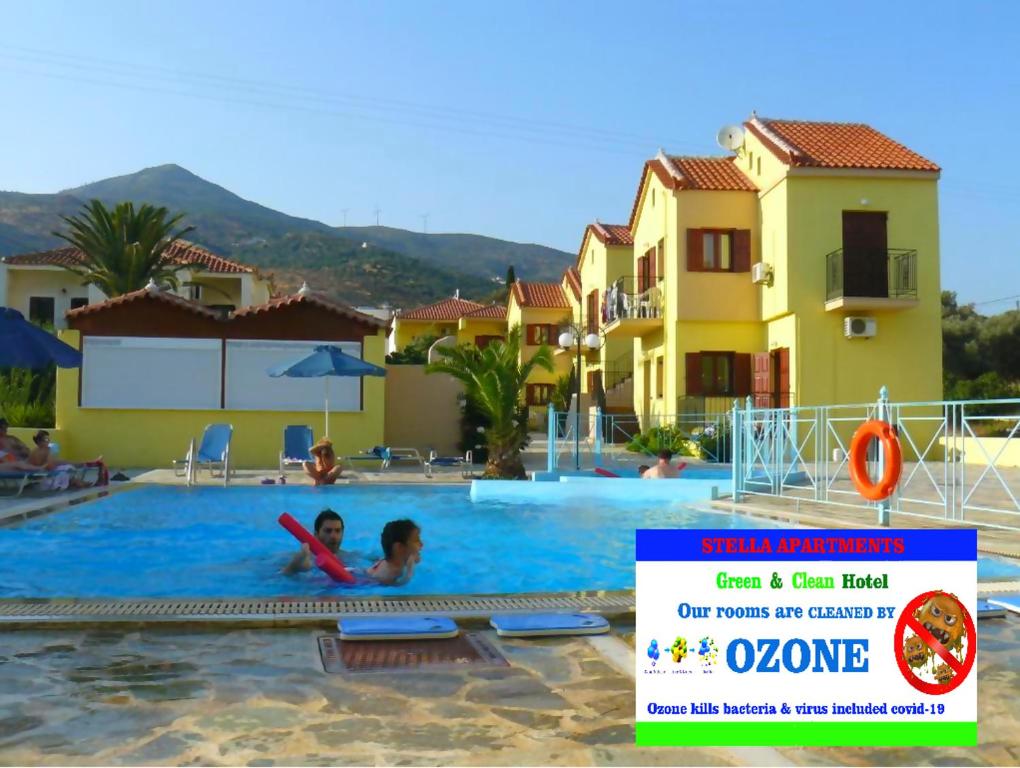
679, 649
707, 651
942, 616
915, 652
653, 651
943, 674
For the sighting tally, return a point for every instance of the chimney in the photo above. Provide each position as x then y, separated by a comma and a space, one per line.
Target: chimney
456, 294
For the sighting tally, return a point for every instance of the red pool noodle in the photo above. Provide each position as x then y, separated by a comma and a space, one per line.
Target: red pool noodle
326, 560
605, 472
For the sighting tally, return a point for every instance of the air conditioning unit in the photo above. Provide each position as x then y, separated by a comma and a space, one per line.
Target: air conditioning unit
859, 327
761, 273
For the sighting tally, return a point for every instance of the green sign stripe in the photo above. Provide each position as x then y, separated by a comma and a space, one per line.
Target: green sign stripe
808, 734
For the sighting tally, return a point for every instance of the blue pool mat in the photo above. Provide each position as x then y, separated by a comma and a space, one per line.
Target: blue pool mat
397, 628
543, 624
985, 610
1010, 602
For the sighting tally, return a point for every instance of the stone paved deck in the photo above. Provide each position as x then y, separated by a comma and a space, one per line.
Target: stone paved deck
259, 698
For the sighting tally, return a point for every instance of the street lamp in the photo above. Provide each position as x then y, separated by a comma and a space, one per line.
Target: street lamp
573, 337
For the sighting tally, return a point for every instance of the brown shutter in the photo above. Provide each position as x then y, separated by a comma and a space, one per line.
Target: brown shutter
651, 268
694, 251
741, 250
529, 396
693, 368
530, 333
642, 265
783, 379
741, 374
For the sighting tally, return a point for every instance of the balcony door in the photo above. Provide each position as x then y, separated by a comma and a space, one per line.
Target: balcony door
865, 254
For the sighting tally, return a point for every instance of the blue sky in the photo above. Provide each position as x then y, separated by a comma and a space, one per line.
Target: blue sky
521, 120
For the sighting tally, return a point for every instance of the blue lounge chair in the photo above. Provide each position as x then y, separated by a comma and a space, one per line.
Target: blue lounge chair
212, 453
297, 441
465, 464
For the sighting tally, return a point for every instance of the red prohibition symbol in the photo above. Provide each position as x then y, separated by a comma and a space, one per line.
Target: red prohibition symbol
960, 670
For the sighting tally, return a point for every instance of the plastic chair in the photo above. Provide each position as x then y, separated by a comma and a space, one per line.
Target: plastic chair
213, 452
297, 441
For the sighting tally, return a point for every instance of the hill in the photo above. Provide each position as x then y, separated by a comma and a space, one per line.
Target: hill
355, 274
237, 228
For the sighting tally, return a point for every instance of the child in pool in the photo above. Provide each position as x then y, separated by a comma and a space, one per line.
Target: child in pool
402, 545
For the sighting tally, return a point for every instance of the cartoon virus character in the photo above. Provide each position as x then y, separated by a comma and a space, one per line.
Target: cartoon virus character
679, 649
653, 651
943, 617
707, 651
915, 652
943, 674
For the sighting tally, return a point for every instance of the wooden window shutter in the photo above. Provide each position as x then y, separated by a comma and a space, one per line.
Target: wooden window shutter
533, 334
530, 394
642, 264
783, 378
741, 374
651, 268
694, 251
741, 250
693, 367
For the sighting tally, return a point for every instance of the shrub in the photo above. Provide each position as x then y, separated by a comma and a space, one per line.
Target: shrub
27, 398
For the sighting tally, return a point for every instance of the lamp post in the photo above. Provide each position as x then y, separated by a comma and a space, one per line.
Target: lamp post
573, 336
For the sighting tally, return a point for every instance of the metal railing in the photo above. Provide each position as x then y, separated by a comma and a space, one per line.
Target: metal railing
887, 274
955, 453
628, 298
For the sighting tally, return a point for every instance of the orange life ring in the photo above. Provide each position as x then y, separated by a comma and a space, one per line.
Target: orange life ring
858, 460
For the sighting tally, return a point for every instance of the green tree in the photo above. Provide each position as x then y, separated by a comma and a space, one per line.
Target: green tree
415, 353
123, 248
494, 379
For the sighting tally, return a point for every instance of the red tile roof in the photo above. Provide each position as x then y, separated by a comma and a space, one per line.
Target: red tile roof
144, 294
573, 279
181, 252
493, 311
714, 174
446, 309
541, 295
316, 299
612, 234
835, 145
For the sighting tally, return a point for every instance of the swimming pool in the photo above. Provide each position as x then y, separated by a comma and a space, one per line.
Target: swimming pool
216, 542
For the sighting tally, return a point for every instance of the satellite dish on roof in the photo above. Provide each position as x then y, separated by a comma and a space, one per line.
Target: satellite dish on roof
730, 137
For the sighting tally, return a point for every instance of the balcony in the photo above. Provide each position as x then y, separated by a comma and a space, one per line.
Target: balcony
870, 279
632, 307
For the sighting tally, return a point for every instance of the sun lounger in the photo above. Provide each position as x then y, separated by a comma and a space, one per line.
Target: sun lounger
397, 628
985, 610
297, 441
464, 463
212, 453
546, 624
18, 481
386, 455
1010, 602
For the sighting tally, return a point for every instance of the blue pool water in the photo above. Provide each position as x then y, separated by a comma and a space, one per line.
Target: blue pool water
216, 542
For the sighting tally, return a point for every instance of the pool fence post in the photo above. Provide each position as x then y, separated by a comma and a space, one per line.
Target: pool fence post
597, 457
735, 448
883, 415
550, 451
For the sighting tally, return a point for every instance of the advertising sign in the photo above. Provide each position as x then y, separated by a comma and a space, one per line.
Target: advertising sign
806, 637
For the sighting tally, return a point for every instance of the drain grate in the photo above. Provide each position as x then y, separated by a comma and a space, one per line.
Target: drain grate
385, 655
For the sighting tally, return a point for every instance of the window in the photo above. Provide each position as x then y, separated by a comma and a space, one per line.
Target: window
195, 292
542, 334
483, 341
41, 309
750, 160
717, 373
592, 310
539, 394
759, 166
716, 251
653, 197
660, 378
660, 258
77, 303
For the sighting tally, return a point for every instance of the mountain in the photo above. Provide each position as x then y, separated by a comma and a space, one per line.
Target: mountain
227, 224
355, 274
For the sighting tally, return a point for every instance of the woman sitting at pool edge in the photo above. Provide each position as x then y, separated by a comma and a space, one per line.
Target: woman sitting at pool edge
324, 468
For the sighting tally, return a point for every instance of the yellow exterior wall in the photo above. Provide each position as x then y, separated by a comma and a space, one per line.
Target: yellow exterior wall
468, 328
906, 353
973, 454
152, 438
406, 331
218, 290
55, 283
422, 410
599, 266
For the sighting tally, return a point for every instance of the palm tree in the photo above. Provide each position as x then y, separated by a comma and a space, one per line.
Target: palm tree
494, 378
122, 250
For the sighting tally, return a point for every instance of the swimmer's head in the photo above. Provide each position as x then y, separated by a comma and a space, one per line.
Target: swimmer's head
329, 529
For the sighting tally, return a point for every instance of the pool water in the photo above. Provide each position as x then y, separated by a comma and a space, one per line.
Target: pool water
216, 542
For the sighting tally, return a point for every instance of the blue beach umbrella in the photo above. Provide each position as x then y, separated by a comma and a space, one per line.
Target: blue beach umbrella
23, 345
326, 360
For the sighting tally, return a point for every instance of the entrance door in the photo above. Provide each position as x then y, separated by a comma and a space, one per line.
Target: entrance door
865, 254
781, 377
761, 380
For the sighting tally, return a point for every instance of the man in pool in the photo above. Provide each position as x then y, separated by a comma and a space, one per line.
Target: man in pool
402, 545
663, 469
329, 529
